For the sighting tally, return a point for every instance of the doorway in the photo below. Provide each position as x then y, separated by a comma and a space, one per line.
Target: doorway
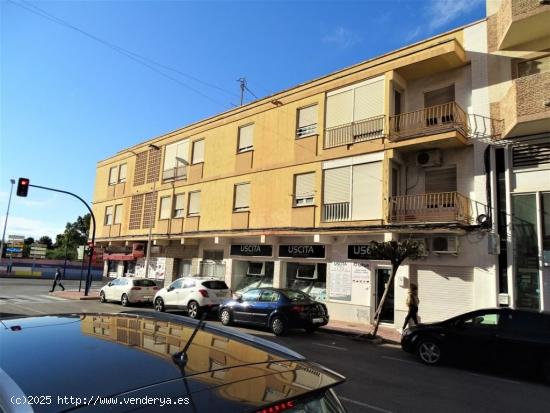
382, 278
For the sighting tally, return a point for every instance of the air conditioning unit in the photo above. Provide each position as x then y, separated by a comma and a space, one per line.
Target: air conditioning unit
422, 242
428, 158
445, 245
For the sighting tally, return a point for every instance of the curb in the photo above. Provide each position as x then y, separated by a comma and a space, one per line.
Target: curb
75, 297
356, 335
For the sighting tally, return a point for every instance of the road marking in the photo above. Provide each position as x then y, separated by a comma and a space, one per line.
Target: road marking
484, 376
368, 406
400, 359
52, 297
329, 346
29, 309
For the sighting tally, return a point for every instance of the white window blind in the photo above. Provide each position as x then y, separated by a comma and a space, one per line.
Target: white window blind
176, 159
339, 109
439, 96
304, 187
367, 191
368, 101
337, 185
118, 214
441, 180
122, 173
307, 121
113, 175
179, 205
198, 151
242, 196
245, 137
194, 203
109, 215
164, 207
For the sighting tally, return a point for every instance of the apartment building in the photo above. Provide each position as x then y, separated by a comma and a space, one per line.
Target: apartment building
287, 191
519, 85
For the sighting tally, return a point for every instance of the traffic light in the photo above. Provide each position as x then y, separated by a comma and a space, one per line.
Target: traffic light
23, 186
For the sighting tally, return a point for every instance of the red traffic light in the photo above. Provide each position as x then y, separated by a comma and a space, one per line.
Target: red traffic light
23, 186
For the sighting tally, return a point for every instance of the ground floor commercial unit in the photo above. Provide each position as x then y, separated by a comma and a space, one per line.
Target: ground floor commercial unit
456, 274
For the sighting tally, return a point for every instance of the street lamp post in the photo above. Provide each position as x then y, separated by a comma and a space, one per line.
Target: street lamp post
6, 220
151, 222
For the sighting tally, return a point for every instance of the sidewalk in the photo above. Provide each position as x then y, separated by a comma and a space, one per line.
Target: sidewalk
77, 295
387, 334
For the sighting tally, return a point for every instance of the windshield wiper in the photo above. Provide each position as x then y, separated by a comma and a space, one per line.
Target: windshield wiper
180, 358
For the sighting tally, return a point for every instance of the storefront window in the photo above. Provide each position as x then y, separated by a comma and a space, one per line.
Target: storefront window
130, 267
252, 274
113, 267
309, 278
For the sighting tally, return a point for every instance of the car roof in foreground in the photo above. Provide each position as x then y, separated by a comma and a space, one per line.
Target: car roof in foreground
131, 354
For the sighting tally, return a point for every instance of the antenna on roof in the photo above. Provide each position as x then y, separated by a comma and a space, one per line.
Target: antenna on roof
242, 81
180, 358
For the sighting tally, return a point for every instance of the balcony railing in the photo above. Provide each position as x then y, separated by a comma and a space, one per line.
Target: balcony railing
428, 121
436, 207
306, 130
354, 132
340, 211
179, 172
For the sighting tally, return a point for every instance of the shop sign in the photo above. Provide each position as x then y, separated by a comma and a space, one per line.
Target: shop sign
302, 251
252, 250
360, 252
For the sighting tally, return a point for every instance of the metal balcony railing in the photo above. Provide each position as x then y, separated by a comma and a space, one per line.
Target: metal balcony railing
179, 172
428, 121
435, 207
364, 130
340, 211
306, 130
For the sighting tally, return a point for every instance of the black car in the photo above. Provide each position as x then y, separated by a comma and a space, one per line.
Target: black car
149, 362
275, 308
501, 337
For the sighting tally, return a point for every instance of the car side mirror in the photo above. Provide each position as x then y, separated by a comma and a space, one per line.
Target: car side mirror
240, 299
110, 284
171, 288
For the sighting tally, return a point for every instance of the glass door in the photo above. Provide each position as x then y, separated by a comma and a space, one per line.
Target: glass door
382, 279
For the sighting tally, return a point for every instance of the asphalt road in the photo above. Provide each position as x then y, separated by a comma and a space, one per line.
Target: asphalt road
381, 378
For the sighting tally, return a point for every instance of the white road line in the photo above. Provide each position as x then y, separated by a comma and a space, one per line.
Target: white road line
368, 406
29, 309
52, 297
400, 359
484, 376
329, 346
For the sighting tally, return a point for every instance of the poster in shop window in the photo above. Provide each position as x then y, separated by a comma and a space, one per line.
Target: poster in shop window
340, 281
360, 283
157, 268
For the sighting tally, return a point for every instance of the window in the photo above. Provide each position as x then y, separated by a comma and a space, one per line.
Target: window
113, 175
109, 215
307, 121
251, 295
176, 284
439, 96
212, 255
198, 151
533, 155
194, 207
242, 197
481, 321
178, 205
122, 173
245, 138
164, 207
303, 189
176, 160
269, 296
118, 214
534, 66
440, 180
189, 283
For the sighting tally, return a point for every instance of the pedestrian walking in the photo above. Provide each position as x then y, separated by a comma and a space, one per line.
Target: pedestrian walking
412, 303
57, 280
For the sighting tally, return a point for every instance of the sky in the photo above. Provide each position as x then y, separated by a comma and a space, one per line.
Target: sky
81, 80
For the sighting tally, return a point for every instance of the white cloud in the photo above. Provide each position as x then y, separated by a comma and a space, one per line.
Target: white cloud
441, 12
39, 203
342, 38
413, 34
31, 227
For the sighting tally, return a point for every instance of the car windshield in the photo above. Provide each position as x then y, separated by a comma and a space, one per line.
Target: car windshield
215, 285
294, 295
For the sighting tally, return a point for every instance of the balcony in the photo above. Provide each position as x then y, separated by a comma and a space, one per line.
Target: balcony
337, 212
448, 117
520, 22
172, 174
437, 207
360, 131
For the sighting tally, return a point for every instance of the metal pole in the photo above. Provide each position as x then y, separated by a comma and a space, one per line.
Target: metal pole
151, 220
6, 220
65, 263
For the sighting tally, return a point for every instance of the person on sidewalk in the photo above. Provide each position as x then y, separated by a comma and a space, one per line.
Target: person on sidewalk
412, 303
57, 280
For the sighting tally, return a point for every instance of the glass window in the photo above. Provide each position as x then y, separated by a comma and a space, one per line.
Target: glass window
176, 159
215, 285
198, 151
251, 295
304, 185
245, 138
179, 206
189, 283
177, 284
164, 207
250, 274
113, 175
194, 207
122, 173
242, 197
118, 214
489, 320
307, 121
269, 296
144, 283
308, 278
109, 215
294, 295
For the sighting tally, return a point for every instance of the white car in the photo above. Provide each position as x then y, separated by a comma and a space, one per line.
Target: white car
193, 294
129, 291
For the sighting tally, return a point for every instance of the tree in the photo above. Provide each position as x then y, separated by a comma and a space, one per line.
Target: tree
47, 241
396, 252
27, 242
75, 234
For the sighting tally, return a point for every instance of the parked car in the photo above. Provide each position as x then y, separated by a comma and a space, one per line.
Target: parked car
193, 294
501, 337
145, 361
277, 309
127, 290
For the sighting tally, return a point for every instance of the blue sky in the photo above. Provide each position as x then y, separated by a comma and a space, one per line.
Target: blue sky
69, 99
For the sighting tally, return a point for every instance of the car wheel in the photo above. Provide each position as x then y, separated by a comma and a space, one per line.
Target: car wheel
225, 317
193, 309
124, 300
102, 297
159, 304
429, 351
278, 326
311, 329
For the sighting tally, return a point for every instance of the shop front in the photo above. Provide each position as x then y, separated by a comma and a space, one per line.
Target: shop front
121, 259
305, 269
252, 266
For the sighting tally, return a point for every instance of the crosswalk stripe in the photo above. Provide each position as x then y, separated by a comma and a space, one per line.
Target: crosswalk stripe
30, 299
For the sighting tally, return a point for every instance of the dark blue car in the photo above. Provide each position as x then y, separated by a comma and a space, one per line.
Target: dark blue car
277, 309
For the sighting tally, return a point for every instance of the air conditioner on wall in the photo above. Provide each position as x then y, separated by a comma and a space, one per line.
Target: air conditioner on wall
445, 245
428, 158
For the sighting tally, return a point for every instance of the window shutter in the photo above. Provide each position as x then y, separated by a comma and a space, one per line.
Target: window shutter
122, 173
179, 205
337, 185
245, 137
182, 153
305, 184
439, 96
170, 156
242, 196
367, 191
109, 215
369, 101
118, 214
339, 109
194, 203
441, 180
198, 151
165, 207
307, 116
113, 178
